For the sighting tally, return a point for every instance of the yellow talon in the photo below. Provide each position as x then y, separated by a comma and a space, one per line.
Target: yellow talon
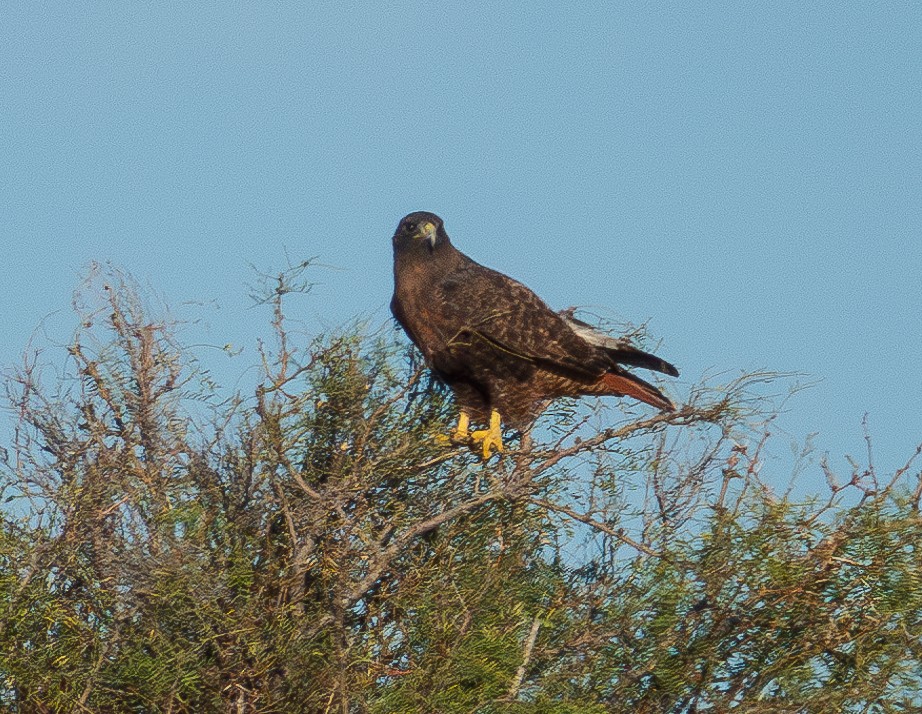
491, 438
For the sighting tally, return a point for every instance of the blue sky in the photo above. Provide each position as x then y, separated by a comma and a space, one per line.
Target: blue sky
746, 177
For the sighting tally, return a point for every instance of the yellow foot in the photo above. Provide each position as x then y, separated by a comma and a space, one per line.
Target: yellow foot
489, 439
461, 434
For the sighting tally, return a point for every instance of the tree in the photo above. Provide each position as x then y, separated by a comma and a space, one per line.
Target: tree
312, 548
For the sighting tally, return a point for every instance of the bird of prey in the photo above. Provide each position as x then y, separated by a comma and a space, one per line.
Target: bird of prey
501, 349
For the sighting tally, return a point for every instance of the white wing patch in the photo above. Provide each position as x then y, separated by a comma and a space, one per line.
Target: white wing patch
590, 334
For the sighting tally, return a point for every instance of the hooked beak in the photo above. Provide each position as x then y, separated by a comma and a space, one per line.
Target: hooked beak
428, 231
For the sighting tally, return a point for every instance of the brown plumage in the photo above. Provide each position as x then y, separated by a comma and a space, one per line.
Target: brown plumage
497, 344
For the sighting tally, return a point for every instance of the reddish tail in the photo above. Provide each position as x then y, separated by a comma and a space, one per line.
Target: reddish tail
625, 384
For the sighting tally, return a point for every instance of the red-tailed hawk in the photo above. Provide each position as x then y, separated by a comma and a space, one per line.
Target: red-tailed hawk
504, 353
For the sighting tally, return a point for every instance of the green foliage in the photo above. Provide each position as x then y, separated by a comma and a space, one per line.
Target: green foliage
312, 548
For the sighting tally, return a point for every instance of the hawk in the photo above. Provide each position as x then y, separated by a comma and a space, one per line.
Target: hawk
505, 354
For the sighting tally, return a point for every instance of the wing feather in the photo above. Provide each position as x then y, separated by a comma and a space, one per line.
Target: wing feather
513, 319
619, 350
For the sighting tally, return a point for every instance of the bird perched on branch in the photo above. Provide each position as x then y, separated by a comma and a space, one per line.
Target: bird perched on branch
501, 349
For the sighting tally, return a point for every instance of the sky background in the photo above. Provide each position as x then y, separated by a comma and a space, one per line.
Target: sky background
746, 178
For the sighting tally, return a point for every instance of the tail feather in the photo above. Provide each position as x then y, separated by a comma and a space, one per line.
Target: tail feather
625, 384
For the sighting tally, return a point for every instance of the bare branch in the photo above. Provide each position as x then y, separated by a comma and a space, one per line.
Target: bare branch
526, 658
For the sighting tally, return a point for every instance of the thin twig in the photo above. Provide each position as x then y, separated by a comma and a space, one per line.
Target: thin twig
598, 525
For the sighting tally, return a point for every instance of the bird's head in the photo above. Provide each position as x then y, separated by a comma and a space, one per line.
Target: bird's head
420, 229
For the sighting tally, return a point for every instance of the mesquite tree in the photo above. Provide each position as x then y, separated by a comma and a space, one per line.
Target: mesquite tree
310, 546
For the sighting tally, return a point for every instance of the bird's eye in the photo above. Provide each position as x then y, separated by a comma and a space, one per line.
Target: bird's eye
410, 226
